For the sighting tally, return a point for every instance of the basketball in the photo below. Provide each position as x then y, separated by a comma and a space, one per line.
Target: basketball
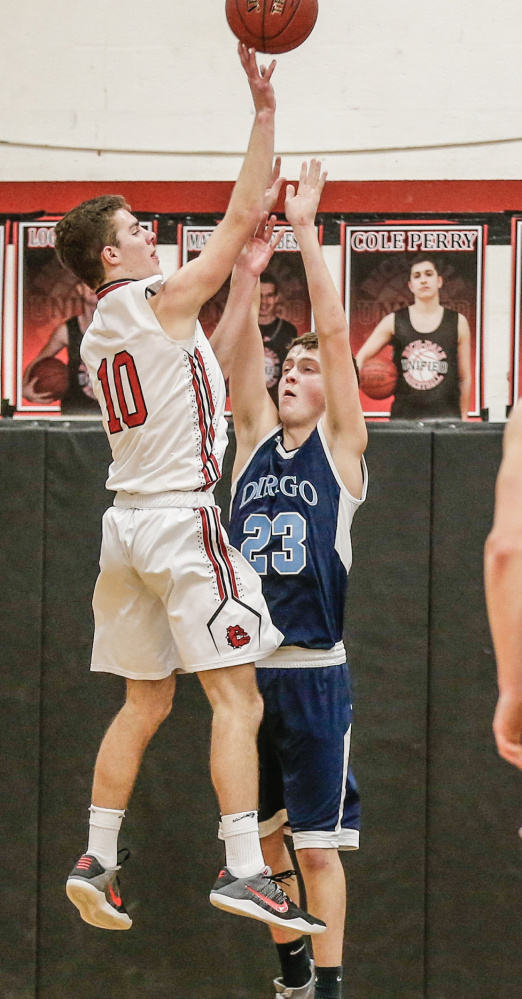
272, 26
378, 378
52, 377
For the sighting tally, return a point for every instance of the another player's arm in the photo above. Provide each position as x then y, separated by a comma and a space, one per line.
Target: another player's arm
378, 339
184, 292
344, 425
464, 361
252, 261
503, 577
254, 412
58, 339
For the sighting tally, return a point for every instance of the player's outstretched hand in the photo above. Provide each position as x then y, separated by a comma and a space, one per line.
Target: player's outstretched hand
301, 208
259, 79
274, 186
257, 253
507, 726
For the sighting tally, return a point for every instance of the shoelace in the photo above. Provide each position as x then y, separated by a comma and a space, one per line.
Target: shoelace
123, 855
278, 879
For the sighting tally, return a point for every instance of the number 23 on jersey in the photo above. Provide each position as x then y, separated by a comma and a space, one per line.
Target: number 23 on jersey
290, 527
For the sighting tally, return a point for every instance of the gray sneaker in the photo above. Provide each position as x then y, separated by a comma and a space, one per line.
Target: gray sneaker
260, 897
95, 892
305, 992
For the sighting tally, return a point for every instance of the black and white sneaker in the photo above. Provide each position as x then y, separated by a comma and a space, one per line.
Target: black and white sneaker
95, 891
260, 897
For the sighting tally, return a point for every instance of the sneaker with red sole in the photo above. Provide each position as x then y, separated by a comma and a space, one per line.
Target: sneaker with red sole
95, 891
260, 897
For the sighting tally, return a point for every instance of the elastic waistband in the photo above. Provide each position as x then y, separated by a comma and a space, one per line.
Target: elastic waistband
293, 657
176, 498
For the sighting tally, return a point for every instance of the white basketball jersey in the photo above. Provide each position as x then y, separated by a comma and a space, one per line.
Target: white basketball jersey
162, 400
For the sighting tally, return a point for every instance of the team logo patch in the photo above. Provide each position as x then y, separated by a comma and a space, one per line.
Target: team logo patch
424, 364
237, 636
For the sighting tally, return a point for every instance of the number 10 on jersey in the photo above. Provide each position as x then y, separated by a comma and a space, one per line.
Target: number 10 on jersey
123, 362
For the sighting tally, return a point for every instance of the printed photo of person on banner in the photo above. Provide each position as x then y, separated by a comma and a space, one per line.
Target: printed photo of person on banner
414, 295
54, 311
284, 311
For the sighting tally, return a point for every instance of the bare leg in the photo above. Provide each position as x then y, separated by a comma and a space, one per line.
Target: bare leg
148, 703
325, 884
238, 710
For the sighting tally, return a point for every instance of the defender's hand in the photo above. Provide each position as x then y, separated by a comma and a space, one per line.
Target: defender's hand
259, 80
257, 253
274, 186
301, 208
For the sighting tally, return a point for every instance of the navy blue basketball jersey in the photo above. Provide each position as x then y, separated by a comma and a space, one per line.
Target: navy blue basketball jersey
291, 517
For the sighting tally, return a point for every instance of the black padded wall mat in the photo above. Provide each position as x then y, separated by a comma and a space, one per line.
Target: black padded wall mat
474, 854
433, 892
22, 471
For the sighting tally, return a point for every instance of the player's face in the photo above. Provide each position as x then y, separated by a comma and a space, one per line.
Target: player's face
136, 249
268, 303
424, 281
301, 392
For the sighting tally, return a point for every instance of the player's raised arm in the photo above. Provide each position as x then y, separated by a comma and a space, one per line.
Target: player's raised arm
343, 423
185, 292
238, 344
503, 576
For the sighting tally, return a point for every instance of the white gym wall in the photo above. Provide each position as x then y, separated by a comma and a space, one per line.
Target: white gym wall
154, 91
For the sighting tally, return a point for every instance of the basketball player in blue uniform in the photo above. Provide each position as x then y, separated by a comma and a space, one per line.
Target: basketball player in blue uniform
172, 595
299, 478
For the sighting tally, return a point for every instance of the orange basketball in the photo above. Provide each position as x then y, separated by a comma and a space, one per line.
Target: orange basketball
378, 378
52, 377
271, 26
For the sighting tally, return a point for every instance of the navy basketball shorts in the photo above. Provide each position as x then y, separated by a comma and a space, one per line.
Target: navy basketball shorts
306, 782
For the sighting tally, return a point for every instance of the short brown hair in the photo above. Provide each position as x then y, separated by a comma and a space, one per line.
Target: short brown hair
310, 341
82, 234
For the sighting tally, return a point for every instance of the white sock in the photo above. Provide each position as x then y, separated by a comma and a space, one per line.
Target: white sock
104, 826
242, 847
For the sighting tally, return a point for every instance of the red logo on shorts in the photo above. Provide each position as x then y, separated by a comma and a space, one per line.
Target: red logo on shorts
236, 636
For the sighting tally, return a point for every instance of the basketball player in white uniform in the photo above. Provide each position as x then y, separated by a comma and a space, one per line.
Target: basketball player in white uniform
172, 595
503, 572
299, 477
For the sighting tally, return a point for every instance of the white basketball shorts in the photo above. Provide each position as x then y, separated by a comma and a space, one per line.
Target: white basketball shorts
172, 594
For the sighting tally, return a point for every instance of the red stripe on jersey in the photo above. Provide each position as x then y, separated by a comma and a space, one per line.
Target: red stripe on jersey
112, 287
203, 394
224, 554
217, 474
211, 407
208, 548
201, 417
